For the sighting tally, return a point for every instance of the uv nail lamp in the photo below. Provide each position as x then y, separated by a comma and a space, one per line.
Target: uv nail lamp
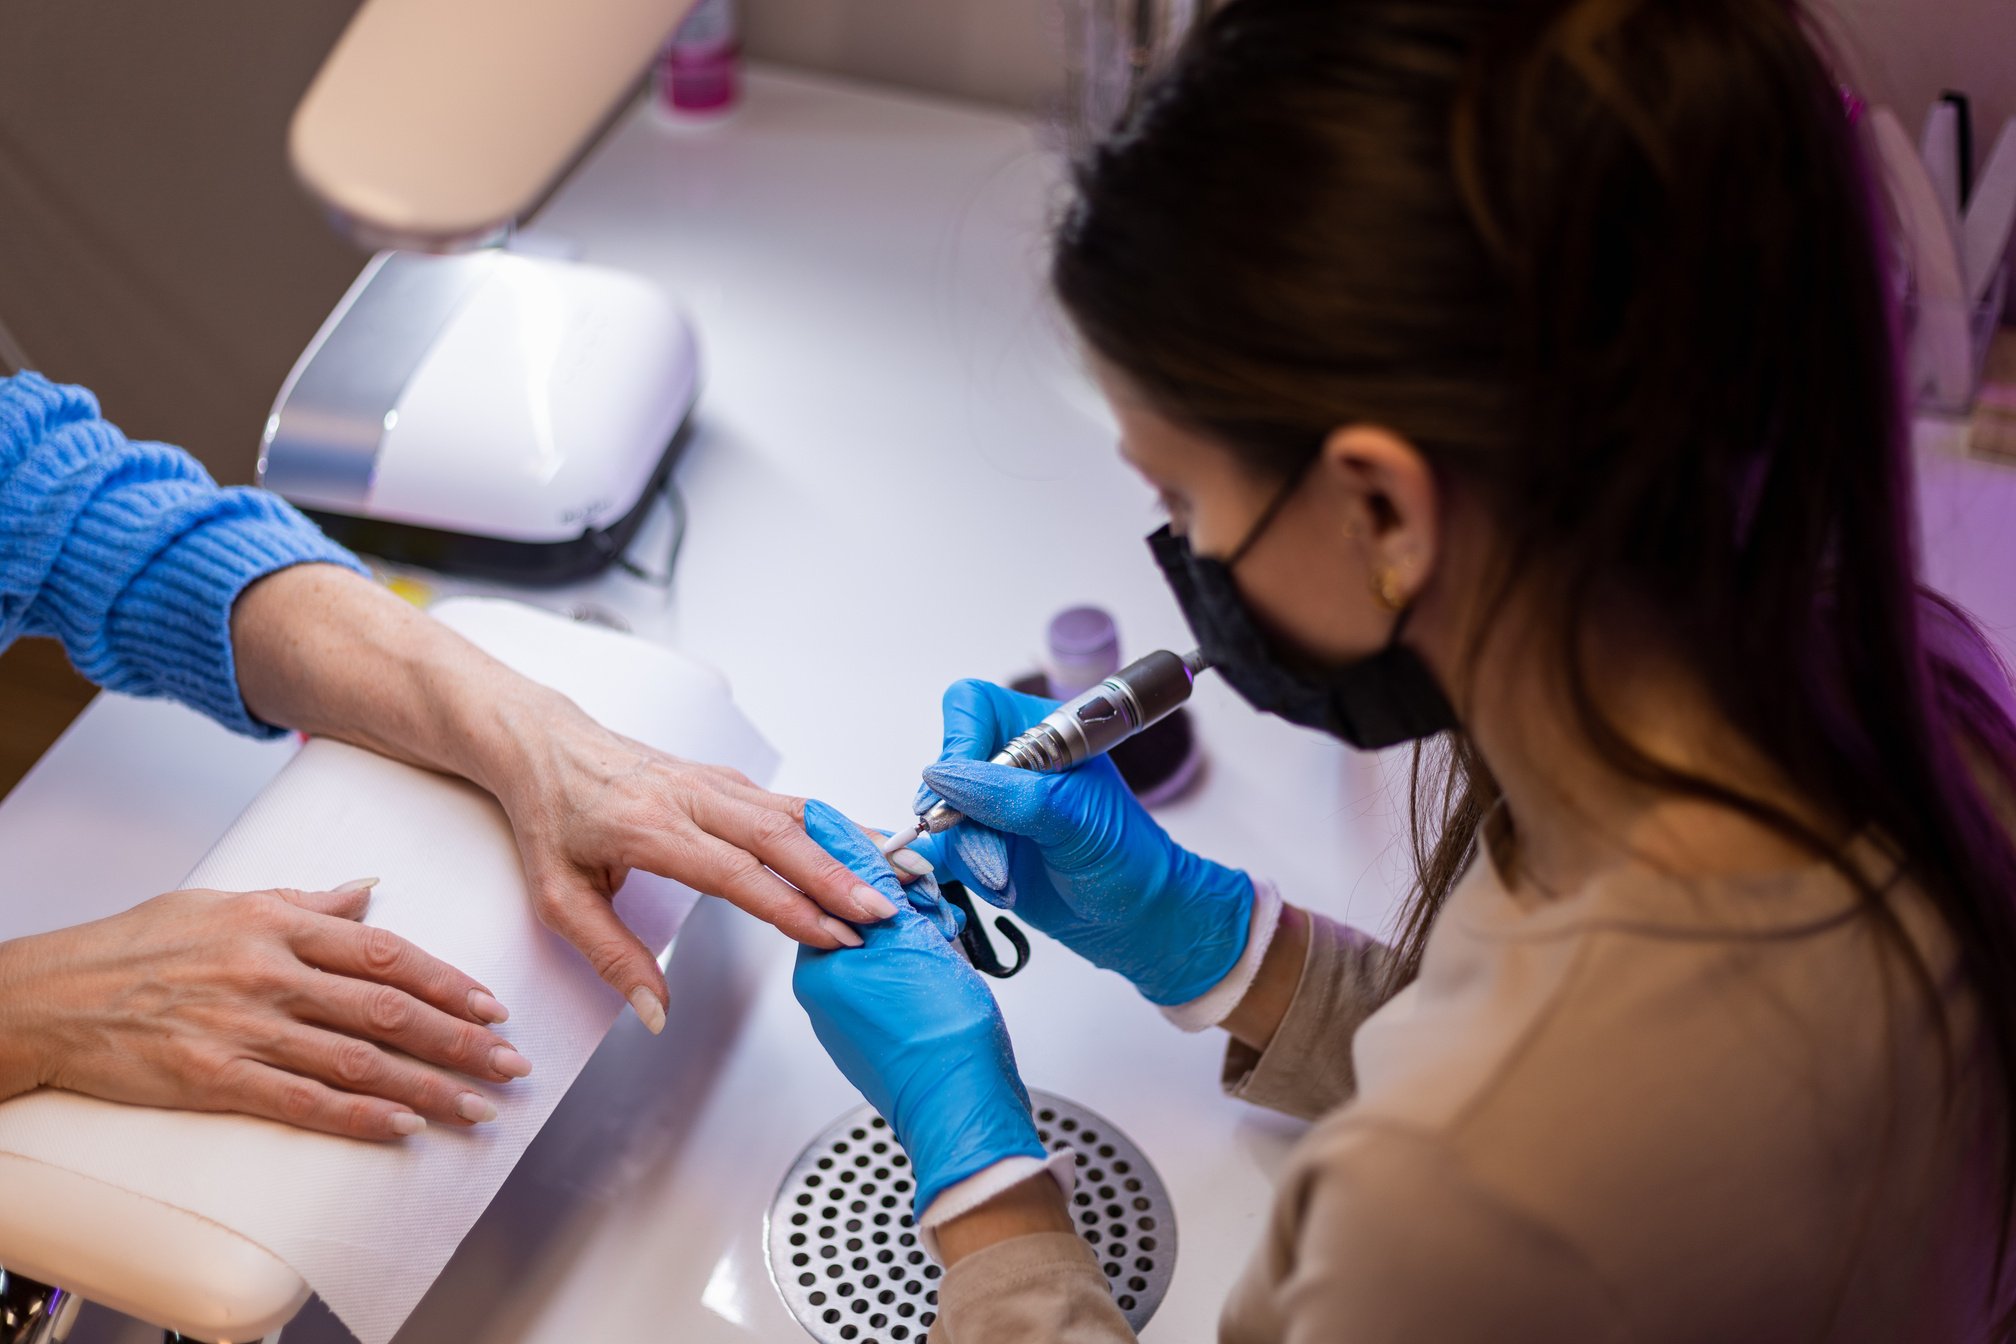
489, 414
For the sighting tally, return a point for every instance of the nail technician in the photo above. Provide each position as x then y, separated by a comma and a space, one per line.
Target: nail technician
1518, 377
280, 1003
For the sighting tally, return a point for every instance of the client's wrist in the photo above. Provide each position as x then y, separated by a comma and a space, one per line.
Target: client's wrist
1027, 1207
520, 740
23, 1039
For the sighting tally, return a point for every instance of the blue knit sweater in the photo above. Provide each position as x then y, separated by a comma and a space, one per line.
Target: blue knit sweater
129, 553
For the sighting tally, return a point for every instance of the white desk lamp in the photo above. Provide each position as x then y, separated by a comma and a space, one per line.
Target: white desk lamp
446, 414
434, 124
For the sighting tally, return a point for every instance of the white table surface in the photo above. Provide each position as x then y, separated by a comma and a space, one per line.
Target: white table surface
899, 475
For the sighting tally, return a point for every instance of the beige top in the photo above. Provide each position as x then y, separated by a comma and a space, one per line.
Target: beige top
1652, 1110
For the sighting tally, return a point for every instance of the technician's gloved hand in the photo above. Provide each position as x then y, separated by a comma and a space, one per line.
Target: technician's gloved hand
912, 1025
1076, 855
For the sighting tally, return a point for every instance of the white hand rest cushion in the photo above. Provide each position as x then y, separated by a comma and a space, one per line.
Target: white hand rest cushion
368, 1226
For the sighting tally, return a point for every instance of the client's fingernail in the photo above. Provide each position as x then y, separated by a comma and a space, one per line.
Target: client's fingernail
359, 884
911, 862
509, 1062
649, 1011
874, 905
406, 1124
476, 1107
485, 1008
848, 935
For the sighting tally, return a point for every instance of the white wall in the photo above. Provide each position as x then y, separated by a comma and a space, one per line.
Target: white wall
1903, 52
1002, 51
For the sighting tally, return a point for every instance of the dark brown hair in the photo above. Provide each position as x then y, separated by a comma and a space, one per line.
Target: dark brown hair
1616, 266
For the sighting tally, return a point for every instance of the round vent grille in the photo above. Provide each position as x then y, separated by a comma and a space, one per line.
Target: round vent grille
842, 1242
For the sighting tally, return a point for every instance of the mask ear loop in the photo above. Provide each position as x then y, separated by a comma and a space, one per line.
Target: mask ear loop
1401, 615
1274, 506
1382, 581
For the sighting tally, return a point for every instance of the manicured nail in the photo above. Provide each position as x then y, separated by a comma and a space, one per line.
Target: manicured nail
483, 1006
509, 1062
874, 905
406, 1124
474, 1106
359, 884
911, 862
848, 935
649, 1011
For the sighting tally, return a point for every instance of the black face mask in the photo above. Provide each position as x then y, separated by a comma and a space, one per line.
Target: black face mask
1375, 701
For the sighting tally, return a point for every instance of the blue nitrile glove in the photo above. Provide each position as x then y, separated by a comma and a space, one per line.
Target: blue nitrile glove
912, 1025
1077, 855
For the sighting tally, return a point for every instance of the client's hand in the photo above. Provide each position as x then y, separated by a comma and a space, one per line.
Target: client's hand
913, 1026
273, 1003
588, 805
1077, 855
328, 652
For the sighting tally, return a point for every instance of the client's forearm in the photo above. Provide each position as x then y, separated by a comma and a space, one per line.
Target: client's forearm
20, 1043
328, 652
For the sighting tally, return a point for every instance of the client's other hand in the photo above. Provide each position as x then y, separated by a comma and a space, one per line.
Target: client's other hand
273, 1003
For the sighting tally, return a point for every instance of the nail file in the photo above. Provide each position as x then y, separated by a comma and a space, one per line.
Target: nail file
1991, 213
1939, 151
1941, 353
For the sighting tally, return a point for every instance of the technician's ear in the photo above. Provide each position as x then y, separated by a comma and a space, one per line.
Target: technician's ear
1389, 506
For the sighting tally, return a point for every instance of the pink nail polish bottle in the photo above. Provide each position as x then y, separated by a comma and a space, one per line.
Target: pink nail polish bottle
697, 71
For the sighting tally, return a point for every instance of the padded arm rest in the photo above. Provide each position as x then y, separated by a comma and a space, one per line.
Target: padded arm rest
54, 1223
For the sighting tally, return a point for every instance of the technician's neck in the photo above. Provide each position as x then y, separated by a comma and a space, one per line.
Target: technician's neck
1572, 814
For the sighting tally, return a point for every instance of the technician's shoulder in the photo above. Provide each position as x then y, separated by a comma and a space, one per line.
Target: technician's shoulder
1379, 1234
1722, 1100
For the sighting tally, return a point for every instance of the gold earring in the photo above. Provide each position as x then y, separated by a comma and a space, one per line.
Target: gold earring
1387, 587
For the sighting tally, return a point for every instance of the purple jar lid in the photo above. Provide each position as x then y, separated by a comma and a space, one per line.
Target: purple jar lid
1083, 649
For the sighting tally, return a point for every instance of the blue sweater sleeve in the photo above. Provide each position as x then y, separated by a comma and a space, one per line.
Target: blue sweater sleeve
130, 554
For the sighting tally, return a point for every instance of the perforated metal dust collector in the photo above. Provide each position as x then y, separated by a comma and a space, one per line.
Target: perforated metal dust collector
842, 1245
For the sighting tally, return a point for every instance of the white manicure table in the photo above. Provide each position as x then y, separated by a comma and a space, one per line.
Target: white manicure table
899, 474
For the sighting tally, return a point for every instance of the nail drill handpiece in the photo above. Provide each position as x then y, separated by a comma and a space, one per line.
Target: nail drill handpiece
1141, 694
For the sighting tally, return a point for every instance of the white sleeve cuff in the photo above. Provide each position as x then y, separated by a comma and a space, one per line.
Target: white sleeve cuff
969, 1194
1215, 1004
